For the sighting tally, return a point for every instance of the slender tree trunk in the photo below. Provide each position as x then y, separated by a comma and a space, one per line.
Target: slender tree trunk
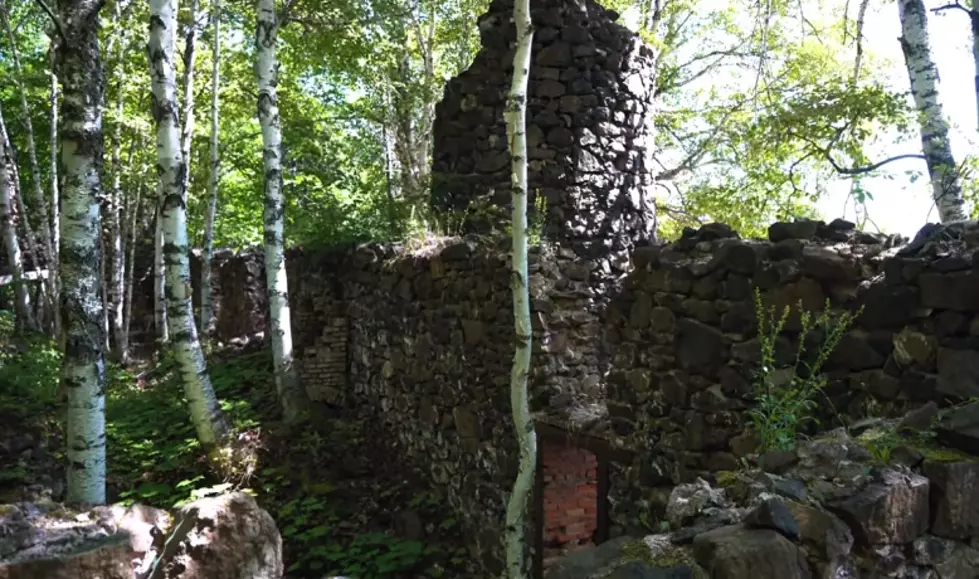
55, 203
207, 312
190, 55
523, 422
945, 180
290, 394
83, 369
206, 414
39, 200
974, 22
8, 230
117, 274
159, 281
127, 313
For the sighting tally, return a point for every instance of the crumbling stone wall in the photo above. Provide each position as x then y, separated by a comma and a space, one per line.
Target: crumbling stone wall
661, 366
588, 131
683, 333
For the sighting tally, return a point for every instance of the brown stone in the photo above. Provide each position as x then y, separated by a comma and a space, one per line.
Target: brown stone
108, 558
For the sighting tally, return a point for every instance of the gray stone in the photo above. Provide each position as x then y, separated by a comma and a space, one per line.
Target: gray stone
952, 291
893, 510
773, 514
699, 347
958, 372
955, 496
735, 552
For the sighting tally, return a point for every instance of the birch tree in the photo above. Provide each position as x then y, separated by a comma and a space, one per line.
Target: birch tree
205, 412
159, 280
117, 265
190, 55
207, 313
286, 382
523, 423
83, 370
53, 98
945, 179
8, 231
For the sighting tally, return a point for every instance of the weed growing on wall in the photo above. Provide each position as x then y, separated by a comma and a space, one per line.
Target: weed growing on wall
786, 396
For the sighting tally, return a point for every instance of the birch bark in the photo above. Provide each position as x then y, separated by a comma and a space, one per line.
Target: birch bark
159, 280
53, 99
945, 179
523, 423
291, 397
8, 231
116, 255
205, 412
83, 370
190, 55
207, 312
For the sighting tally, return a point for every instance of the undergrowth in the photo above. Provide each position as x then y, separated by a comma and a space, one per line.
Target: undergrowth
786, 395
336, 511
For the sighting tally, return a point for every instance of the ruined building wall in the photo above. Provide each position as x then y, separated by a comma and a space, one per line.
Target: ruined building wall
418, 346
588, 130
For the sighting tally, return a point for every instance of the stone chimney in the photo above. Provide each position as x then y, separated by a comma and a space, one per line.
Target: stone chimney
587, 129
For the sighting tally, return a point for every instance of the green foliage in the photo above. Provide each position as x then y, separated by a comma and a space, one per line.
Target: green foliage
785, 396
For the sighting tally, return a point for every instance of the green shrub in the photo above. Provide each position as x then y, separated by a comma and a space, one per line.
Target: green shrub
785, 397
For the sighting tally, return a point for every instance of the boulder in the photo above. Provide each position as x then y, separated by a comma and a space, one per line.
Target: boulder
694, 500
50, 542
222, 537
955, 498
894, 509
736, 552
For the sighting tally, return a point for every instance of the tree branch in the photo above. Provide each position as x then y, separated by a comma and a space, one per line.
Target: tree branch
952, 6
57, 22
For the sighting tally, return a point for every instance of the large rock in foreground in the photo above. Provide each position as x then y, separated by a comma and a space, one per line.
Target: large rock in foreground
47, 541
223, 537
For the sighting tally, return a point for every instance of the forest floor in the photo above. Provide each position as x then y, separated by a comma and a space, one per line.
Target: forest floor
338, 511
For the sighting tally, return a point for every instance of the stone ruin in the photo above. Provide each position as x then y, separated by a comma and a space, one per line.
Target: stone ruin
645, 354
588, 128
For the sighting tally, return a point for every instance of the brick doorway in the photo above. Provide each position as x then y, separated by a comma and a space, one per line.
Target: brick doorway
571, 489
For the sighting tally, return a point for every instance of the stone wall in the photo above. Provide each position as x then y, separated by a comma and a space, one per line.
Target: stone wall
587, 127
656, 362
683, 333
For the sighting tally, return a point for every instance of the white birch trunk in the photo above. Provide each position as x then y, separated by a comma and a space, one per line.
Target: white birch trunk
8, 231
205, 412
190, 55
974, 22
214, 177
55, 225
159, 281
39, 200
516, 116
130, 266
287, 385
937, 149
83, 369
117, 274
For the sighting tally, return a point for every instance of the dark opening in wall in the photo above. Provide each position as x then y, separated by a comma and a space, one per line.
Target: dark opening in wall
569, 491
